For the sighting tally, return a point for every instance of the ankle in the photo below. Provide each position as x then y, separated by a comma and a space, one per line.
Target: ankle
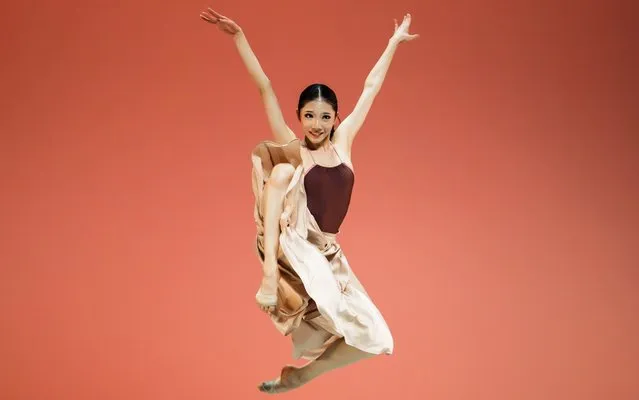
294, 377
270, 275
270, 268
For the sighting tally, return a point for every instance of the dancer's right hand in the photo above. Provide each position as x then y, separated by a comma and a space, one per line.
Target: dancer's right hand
223, 23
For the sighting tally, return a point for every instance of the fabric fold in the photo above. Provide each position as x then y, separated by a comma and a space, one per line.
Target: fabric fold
312, 262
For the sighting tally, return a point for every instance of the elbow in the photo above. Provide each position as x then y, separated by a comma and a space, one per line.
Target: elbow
372, 85
265, 86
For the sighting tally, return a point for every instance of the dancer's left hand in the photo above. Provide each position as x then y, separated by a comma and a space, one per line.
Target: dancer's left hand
401, 32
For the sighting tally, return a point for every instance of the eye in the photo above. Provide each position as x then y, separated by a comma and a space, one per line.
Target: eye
307, 115
327, 117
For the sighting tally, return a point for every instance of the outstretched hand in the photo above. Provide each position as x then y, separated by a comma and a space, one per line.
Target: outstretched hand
401, 32
224, 24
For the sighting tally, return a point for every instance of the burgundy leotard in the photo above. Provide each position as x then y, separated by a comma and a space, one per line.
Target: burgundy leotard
328, 192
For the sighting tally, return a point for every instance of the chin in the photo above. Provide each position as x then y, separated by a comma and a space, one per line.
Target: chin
316, 139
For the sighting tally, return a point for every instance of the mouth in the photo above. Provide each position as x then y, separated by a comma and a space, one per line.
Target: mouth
315, 135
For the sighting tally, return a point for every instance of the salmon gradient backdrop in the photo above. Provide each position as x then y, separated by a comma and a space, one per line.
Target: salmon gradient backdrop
495, 218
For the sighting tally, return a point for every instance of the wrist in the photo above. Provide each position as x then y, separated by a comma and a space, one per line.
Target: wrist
238, 35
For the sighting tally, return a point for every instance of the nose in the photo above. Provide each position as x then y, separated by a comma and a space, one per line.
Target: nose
316, 124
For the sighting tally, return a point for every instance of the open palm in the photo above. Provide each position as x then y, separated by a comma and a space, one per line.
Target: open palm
401, 31
223, 23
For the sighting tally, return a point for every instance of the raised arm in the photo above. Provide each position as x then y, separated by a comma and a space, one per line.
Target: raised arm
348, 129
283, 134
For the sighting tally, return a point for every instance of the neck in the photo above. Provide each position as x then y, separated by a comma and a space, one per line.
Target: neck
324, 144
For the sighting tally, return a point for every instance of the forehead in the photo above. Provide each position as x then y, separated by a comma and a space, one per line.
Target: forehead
318, 106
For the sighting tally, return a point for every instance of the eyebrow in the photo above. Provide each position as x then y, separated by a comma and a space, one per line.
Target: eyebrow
311, 112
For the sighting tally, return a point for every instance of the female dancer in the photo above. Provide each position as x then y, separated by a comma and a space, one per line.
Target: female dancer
302, 193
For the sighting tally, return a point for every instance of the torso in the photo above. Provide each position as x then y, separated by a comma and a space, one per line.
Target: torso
328, 189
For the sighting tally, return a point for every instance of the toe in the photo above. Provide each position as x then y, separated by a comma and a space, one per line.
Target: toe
266, 386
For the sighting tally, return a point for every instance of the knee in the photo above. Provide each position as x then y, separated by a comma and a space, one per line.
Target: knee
281, 175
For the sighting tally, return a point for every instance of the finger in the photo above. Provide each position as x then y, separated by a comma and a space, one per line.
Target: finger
209, 16
206, 17
210, 21
215, 13
395, 19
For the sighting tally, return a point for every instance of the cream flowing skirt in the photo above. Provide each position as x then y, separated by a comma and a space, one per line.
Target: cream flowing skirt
335, 304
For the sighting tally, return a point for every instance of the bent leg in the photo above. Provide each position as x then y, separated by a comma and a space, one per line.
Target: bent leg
273, 200
274, 192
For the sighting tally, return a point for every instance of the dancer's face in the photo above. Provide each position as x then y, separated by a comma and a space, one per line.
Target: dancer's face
317, 118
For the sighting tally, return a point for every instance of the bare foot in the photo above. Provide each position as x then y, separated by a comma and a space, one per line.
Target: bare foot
289, 379
266, 296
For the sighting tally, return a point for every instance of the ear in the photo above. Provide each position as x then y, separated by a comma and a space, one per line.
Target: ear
297, 113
